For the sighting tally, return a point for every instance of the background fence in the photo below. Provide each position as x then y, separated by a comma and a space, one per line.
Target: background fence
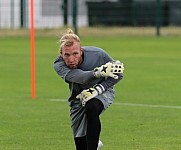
90, 13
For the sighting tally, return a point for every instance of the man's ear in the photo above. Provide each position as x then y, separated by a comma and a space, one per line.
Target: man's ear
60, 51
81, 50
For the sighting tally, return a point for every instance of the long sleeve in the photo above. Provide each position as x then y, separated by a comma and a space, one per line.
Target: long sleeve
109, 82
72, 75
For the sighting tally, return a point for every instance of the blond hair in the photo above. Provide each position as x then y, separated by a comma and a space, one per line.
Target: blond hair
68, 39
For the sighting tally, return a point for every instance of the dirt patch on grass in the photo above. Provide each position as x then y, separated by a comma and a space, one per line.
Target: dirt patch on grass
97, 31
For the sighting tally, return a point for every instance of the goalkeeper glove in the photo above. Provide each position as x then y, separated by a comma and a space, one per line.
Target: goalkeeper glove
90, 93
109, 69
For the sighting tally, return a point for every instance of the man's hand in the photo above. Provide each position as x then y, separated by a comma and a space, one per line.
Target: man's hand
109, 69
90, 93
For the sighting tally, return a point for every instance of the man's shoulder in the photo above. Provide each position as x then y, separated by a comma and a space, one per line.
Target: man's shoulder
58, 59
92, 49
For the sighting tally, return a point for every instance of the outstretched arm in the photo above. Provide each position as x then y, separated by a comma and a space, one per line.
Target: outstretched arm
110, 69
72, 75
98, 89
109, 82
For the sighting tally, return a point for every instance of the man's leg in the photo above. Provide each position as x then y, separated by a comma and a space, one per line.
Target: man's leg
81, 143
93, 108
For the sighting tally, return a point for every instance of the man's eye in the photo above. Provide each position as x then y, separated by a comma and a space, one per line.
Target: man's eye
75, 54
66, 55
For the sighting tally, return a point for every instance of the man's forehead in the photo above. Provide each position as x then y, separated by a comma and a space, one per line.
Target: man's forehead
71, 50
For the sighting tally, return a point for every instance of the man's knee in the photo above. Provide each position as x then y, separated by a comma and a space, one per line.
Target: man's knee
93, 107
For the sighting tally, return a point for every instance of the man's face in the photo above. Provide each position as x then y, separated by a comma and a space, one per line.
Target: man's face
72, 55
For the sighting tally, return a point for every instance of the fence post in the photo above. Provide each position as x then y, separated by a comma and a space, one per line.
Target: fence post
22, 13
74, 15
158, 17
133, 19
65, 11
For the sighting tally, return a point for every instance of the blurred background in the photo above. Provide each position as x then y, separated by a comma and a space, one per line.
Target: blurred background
144, 34
157, 14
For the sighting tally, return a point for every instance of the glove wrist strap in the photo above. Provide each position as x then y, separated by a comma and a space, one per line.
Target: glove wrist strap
99, 88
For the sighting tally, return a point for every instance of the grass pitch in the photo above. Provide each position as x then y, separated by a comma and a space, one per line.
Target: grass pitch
151, 78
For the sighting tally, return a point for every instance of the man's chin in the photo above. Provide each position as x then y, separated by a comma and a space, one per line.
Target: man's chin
72, 66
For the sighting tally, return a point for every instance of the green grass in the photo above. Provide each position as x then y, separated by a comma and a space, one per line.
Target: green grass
152, 76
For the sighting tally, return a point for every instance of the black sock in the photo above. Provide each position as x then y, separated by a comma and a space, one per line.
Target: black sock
81, 143
93, 109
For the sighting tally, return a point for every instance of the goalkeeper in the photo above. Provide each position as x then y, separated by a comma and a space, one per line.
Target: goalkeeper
91, 74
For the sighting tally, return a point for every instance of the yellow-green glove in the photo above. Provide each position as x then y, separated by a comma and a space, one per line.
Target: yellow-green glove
90, 93
109, 69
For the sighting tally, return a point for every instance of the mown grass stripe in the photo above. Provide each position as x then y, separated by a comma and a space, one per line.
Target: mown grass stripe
129, 104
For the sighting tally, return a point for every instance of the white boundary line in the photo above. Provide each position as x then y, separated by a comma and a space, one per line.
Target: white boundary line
147, 105
129, 104
57, 100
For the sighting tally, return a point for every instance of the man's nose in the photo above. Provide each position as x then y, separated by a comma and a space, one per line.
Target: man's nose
71, 58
